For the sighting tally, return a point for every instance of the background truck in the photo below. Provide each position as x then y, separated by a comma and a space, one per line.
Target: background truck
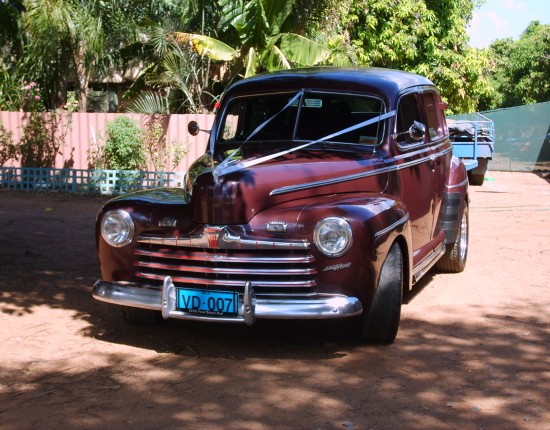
473, 141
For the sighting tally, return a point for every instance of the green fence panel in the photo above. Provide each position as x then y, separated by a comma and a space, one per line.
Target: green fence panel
522, 137
105, 182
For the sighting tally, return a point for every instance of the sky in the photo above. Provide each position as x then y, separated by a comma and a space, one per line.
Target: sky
499, 19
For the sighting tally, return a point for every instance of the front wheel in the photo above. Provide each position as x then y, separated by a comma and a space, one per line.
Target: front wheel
454, 259
379, 324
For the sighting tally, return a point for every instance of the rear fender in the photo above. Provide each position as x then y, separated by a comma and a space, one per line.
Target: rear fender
455, 197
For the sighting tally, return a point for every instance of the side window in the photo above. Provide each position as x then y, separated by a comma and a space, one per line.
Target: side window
433, 117
407, 114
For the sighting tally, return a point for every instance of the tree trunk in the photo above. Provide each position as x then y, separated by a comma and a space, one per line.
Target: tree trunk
82, 78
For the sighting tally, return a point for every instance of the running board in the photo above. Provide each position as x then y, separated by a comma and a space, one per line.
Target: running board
422, 268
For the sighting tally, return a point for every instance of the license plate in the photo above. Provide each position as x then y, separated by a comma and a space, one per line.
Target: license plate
207, 303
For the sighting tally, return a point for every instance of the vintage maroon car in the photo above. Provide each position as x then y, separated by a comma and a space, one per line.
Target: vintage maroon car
324, 193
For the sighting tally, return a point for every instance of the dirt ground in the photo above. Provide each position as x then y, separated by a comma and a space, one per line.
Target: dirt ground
472, 351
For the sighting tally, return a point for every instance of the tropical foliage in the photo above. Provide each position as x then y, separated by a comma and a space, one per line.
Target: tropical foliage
262, 40
426, 37
167, 56
123, 149
521, 69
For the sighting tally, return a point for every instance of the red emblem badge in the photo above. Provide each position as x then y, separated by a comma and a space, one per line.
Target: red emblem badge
212, 235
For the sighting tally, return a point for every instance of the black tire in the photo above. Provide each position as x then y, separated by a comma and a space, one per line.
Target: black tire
476, 176
476, 180
454, 259
143, 317
379, 323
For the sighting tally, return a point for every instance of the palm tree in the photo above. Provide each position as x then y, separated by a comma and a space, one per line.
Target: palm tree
190, 67
72, 29
177, 79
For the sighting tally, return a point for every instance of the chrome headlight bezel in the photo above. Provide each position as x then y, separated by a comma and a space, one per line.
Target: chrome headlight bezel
117, 228
333, 236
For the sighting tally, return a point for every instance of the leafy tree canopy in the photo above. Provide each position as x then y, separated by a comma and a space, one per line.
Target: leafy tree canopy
189, 50
521, 69
426, 37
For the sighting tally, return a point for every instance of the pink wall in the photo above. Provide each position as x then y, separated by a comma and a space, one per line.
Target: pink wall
87, 130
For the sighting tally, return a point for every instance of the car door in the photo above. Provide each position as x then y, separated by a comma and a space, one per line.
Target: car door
417, 178
441, 154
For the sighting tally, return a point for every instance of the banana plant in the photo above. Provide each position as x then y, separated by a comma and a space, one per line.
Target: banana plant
264, 42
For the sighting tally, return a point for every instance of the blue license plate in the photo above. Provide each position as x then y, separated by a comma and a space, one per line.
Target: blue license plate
207, 303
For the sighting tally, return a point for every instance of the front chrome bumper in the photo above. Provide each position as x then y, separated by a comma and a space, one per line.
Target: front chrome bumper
250, 307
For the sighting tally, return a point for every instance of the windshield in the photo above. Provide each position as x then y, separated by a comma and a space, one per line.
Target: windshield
313, 116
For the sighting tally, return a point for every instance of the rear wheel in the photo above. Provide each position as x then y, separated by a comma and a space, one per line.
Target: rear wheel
477, 176
454, 259
379, 324
476, 180
138, 316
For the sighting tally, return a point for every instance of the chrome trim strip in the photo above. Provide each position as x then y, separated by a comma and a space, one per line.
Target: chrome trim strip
225, 271
324, 182
223, 258
444, 141
391, 227
462, 184
320, 307
426, 149
228, 282
220, 238
394, 167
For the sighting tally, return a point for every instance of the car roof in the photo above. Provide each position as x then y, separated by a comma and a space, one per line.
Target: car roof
386, 83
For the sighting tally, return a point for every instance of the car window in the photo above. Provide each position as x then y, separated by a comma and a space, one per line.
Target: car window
433, 117
328, 114
244, 115
407, 113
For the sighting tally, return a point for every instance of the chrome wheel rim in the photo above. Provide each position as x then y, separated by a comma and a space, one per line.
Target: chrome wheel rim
463, 236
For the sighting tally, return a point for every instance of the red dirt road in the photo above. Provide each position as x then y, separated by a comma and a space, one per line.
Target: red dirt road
472, 351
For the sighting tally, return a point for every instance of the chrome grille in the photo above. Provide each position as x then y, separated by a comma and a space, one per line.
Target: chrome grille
274, 268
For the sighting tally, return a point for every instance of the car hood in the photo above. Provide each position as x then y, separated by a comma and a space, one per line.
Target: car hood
238, 196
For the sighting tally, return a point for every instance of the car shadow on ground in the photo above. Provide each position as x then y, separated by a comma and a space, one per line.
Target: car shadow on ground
490, 372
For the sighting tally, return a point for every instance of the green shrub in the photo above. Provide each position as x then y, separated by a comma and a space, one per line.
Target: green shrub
123, 148
8, 149
159, 151
43, 134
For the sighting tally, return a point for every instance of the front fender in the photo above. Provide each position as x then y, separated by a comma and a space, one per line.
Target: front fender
147, 209
376, 221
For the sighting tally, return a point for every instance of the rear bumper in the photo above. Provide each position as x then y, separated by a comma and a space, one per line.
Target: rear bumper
250, 307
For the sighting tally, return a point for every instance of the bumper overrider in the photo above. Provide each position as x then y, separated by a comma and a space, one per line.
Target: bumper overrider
249, 308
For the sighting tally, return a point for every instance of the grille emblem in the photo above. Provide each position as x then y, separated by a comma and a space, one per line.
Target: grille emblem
336, 267
168, 222
276, 227
213, 235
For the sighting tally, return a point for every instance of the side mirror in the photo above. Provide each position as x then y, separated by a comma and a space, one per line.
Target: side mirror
193, 128
417, 130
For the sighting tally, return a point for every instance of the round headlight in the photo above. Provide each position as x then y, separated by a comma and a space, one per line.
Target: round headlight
117, 228
333, 236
